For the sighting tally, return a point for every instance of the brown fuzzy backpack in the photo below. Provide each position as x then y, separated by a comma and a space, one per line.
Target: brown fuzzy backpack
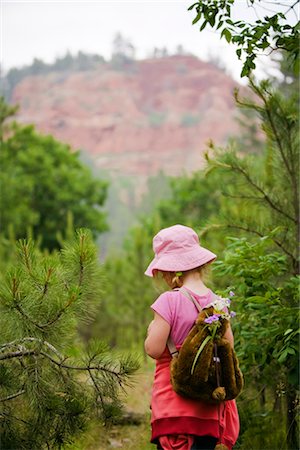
206, 366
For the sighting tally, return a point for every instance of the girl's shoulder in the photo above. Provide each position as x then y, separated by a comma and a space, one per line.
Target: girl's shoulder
180, 296
166, 305
168, 296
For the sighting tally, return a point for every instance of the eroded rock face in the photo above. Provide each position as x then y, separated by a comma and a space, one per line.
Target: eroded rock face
152, 115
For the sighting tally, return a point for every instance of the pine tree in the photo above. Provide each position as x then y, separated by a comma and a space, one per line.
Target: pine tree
266, 188
50, 387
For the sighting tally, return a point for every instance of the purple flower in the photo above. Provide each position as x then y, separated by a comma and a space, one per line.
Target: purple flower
232, 314
231, 294
212, 318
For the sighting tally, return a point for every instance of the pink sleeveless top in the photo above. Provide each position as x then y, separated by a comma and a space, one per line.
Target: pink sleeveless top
171, 413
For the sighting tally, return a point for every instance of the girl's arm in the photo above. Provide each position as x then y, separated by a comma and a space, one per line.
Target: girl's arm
158, 333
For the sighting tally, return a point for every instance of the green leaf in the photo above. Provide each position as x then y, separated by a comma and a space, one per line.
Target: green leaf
230, 22
220, 24
203, 25
192, 6
197, 18
212, 18
227, 34
206, 340
283, 356
291, 350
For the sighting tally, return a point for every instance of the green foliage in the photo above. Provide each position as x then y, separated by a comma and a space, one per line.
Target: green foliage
125, 311
49, 387
6, 112
42, 183
267, 332
260, 429
189, 199
270, 186
272, 31
265, 194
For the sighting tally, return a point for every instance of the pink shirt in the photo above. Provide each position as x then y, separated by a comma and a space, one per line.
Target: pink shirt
179, 311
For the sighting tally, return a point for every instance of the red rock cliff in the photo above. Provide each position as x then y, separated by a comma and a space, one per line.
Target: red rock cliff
153, 115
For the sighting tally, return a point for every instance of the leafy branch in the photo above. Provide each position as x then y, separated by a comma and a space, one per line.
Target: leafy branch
270, 32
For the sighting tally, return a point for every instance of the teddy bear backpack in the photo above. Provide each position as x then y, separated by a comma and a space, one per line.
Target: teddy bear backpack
206, 366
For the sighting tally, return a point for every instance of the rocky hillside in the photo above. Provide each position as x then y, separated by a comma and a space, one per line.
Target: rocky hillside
137, 119
132, 121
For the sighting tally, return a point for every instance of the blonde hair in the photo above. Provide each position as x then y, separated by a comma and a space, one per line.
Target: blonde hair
176, 279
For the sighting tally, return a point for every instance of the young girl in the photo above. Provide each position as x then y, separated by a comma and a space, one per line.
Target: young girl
180, 423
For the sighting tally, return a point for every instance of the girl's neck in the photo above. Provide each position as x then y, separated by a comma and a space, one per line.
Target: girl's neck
193, 282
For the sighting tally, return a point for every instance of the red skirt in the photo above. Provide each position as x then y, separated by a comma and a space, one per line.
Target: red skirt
174, 415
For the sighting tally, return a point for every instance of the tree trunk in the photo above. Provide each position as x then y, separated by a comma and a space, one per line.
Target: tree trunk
277, 405
262, 397
292, 435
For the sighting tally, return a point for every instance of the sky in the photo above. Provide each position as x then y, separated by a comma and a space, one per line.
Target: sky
48, 29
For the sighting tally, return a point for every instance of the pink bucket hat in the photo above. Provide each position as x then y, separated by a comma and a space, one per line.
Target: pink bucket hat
177, 249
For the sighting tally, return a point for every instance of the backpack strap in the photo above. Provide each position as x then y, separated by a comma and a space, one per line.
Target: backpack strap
188, 295
170, 343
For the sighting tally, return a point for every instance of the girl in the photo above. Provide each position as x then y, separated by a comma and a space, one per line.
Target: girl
177, 422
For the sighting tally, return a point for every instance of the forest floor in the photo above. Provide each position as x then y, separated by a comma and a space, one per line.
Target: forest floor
134, 433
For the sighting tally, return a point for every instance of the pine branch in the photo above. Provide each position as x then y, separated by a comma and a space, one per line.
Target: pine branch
42, 327
60, 313
3, 413
246, 175
249, 230
50, 271
17, 299
264, 194
61, 364
18, 343
18, 354
243, 197
99, 393
82, 368
266, 109
10, 397
23, 313
24, 247
292, 7
278, 141
81, 259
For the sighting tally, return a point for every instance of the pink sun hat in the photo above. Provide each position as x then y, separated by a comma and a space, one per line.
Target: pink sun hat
177, 249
